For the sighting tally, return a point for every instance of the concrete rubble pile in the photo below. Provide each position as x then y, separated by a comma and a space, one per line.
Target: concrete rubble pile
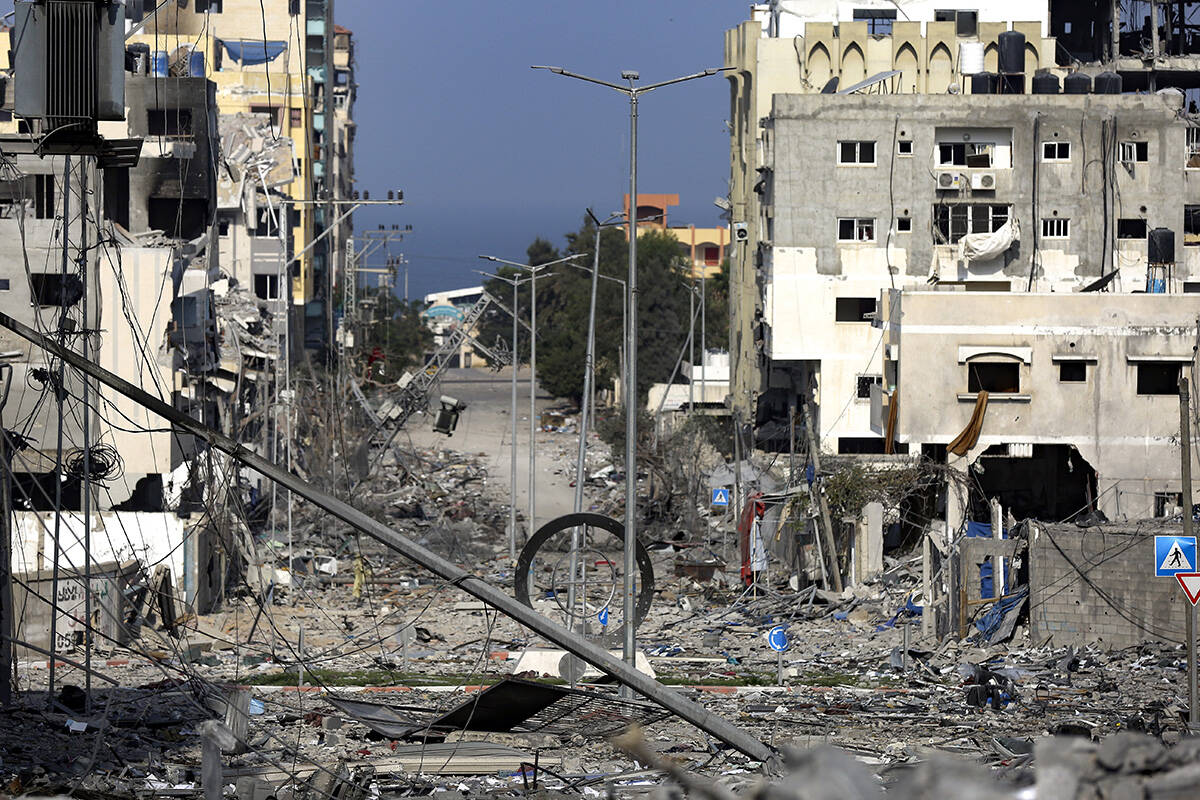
351, 672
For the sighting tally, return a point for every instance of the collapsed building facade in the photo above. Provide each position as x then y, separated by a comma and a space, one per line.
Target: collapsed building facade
990, 215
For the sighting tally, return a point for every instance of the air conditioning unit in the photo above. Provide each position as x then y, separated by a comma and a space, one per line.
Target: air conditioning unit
949, 181
985, 181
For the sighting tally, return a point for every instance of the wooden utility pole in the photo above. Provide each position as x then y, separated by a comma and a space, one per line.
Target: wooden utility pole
835, 574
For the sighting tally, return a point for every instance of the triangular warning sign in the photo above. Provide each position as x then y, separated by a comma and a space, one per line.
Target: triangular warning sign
1190, 581
1176, 559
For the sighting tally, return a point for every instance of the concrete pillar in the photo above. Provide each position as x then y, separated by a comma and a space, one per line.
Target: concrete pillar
868, 543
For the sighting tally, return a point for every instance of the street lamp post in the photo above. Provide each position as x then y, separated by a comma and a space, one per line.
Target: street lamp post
512, 484
633, 92
533, 273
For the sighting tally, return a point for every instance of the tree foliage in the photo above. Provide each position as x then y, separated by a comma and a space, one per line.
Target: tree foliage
563, 299
394, 339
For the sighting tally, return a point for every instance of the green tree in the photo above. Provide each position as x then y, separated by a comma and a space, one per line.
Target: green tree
564, 296
395, 338
497, 322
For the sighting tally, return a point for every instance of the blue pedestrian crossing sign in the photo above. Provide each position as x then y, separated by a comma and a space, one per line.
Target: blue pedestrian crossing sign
720, 497
1173, 555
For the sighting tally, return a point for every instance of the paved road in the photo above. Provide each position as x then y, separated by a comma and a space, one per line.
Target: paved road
485, 428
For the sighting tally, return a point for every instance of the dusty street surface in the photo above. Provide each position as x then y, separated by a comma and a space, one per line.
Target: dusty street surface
364, 686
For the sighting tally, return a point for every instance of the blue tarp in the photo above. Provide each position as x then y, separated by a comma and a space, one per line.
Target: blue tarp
990, 623
983, 530
250, 52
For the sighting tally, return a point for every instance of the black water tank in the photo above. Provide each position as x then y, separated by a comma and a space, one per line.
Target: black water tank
1077, 83
1162, 246
1011, 51
1045, 83
1107, 83
1012, 84
985, 83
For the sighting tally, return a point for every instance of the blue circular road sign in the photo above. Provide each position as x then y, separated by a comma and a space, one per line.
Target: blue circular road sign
778, 639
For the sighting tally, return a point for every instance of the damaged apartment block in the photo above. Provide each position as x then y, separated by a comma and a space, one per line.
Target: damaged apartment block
971, 239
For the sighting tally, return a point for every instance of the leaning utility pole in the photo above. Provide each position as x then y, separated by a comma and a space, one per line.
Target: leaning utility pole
7, 618
814, 453
671, 700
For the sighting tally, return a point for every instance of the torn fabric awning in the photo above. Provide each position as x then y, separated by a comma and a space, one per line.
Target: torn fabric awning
250, 52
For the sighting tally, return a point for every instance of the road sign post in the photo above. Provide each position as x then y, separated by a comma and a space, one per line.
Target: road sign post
777, 638
1185, 485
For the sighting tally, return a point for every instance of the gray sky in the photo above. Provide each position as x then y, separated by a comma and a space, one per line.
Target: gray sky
490, 153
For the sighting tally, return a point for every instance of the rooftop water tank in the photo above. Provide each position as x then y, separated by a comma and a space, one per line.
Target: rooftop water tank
1107, 83
1045, 83
985, 83
1161, 249
1077, 83
970, 58
1010, 47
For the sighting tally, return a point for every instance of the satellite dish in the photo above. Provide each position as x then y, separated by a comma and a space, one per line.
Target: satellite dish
831, 86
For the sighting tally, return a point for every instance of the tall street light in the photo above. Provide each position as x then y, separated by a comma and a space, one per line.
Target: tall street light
633, 92
512, 483
533, 273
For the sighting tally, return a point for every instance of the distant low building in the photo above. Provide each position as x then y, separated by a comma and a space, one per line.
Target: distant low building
444, 313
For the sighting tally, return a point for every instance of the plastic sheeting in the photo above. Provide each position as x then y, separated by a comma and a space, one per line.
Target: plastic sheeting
986, 246
250, 52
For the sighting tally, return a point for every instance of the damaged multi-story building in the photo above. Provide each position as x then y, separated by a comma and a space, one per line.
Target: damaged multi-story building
955, 232
179, 246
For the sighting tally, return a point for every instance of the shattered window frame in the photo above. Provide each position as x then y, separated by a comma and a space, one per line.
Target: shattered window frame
1133, 151
1192, 143
1191, 225
994, 375
856, 230
952, 221
863, 384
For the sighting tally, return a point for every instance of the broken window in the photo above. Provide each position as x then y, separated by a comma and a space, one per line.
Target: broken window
966, 154
266, 226
1193, 148
856, 152
297, 117
1134, 152
856, 229
854, 309
904, 147
863, 384
966, 23
266, 287
56, 289
879, 20
215, 6
1072, 371
995, 377
1158, 377
4, 284
43, 196
1056, 228
1131, 229
1056, 151
952, 221
272, 112
179, 218
169, 121
861, 445
1191, 226
903, 224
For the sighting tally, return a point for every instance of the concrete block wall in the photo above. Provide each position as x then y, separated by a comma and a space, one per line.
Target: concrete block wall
1097, 586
